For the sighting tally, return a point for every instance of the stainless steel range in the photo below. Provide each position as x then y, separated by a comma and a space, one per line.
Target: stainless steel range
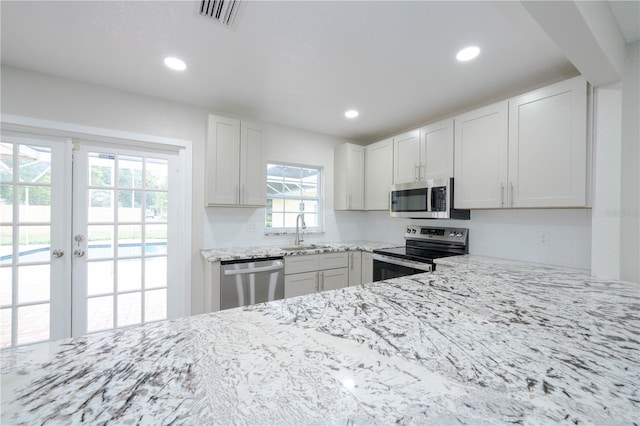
423, 244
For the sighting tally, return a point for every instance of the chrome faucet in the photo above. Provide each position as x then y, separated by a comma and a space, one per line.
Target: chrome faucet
299, 218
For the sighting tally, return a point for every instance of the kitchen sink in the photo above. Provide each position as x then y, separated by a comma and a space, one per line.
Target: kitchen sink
301, 247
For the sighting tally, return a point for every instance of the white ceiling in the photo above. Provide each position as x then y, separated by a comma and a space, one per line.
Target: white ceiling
297, 63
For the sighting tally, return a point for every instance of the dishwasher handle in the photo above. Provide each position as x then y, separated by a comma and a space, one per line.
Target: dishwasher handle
274, 267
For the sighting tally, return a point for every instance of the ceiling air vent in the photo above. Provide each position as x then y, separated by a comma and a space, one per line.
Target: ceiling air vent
221, 11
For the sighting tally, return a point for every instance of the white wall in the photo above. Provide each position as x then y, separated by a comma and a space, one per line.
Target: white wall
605, 254
46, 97
630, 165
512, 234
228, 227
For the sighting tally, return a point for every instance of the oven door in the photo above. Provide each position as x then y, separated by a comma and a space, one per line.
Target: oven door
387, 267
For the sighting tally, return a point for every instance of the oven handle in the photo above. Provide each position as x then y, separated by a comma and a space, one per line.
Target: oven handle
427, 267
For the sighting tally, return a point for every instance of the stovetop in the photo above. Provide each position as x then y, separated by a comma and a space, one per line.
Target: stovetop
424, 244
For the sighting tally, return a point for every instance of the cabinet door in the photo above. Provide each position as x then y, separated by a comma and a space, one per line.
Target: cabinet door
222, 161
355, 268
436, 150
348, 181
253, 169
302, 263
355, 177
333, 279
481, 157
548, 146
378, 172
300, 284
406, 150
367, 267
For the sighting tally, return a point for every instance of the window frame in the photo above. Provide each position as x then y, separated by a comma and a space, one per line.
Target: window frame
319, 199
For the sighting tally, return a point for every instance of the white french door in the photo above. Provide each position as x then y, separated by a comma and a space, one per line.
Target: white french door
89, 237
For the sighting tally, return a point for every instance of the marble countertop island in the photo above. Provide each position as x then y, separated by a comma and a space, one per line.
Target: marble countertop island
485, 342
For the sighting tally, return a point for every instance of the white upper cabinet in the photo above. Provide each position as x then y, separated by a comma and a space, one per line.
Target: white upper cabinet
348, 185
422, 154
235, 169
253, 170
406, 157
528, 152
378, 170
436, 150
548, 146
481, 157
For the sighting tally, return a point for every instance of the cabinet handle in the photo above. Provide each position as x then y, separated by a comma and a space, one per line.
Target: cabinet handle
349, 204
420, 172
351, 261
238, 193
416, 172
317, 282
243, 194
322, 276
511, 195
501, 194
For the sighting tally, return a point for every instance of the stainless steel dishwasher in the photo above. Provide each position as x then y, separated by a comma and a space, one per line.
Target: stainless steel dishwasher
245, 282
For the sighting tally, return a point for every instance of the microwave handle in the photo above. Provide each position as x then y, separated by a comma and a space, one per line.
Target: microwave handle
429, 189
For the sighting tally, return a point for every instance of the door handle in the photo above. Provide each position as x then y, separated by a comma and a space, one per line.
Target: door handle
511, 195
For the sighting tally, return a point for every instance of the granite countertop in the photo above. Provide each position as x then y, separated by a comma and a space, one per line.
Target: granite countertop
485, 342
241, 253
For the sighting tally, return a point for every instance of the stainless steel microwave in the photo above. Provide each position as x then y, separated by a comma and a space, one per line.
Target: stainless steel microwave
430, 199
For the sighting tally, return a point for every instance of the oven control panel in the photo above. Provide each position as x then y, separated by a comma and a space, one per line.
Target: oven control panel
451, 235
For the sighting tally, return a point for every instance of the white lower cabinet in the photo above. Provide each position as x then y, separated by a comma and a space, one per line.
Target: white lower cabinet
333, 279
367, 267
355, 268
300, 284
308, 274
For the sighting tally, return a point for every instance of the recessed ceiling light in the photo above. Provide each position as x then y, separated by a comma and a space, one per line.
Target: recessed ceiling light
175, 63
468, 53
352, 113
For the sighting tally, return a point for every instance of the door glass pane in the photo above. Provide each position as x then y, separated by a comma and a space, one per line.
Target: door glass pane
99, 313
155, 305
129, 172
100, 205
129, 206
155, 272
99, 277
34, 244
156, 239
33, 323
33, 283
101, 169
156, 174
129, 240
129, 309
35, 164
6, 203
34, 204
156, 206
5, 327
129, 274
100, 244
6, 245
6, 286
6, 162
